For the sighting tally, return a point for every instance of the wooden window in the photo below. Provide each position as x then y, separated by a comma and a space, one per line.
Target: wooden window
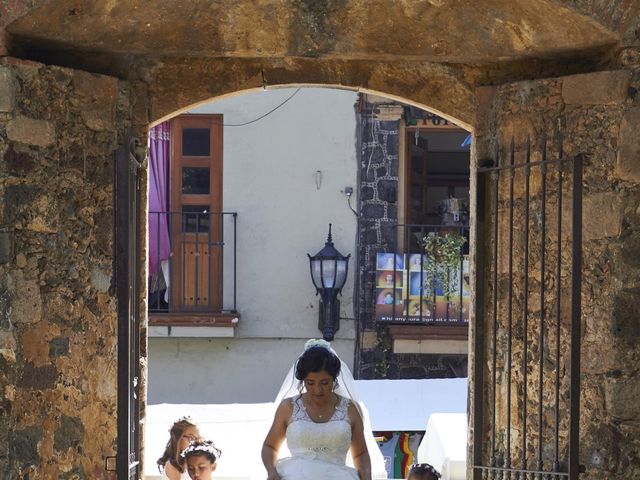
435, 168
196, 203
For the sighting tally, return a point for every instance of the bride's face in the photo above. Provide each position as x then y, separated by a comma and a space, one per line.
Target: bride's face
319, 384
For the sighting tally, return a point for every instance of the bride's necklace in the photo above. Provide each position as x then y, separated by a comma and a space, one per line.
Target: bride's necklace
324, 414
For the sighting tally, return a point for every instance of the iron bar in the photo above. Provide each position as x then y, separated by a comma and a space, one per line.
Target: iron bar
204, 230
182, 269
171, 265
235, 266
421, 286
210, 246
525, 305
496, 193
435, 284
543, 223
220, 219
196, 266
126, 233
460, 286
158, 268
408, 233
556, 446
510, 308
393, 255
576, 313
479, 328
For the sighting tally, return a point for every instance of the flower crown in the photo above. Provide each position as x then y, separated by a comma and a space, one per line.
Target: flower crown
206, 447
317, 342
424, 468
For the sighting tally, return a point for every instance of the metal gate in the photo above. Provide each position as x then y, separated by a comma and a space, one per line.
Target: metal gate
126, 288
527, 343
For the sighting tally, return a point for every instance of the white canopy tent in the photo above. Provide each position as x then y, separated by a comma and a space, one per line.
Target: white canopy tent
445, 445
239, 429
406, 405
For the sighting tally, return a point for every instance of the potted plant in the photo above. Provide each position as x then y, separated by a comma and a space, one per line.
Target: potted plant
443, 259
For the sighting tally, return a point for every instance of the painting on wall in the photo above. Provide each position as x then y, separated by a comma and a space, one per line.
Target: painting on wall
418, 290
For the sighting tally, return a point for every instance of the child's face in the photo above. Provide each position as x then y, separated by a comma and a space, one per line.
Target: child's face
190, 434
200, 468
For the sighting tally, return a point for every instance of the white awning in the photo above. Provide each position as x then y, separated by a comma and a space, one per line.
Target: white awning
406, 405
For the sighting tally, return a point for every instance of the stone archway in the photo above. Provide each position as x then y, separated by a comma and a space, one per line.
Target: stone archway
430, 51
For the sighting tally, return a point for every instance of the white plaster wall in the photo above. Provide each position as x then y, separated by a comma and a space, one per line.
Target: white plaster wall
270, 180
223, 370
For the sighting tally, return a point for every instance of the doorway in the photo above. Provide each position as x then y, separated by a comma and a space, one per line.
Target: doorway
285, 179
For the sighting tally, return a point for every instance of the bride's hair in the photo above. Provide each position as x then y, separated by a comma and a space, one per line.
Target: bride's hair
315, 359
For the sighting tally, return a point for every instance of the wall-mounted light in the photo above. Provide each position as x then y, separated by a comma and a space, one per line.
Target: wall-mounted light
329, 270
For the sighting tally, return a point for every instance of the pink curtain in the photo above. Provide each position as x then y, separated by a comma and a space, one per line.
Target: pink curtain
159, 151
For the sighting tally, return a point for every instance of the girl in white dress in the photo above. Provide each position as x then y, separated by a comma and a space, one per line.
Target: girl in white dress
181, 434
319, 425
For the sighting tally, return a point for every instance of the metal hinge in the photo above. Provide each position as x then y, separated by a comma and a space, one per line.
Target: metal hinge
138, 159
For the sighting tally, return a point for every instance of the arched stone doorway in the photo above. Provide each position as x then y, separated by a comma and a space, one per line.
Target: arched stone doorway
320, 115
338, 44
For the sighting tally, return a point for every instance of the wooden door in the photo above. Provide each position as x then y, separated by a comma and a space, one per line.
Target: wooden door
196, 206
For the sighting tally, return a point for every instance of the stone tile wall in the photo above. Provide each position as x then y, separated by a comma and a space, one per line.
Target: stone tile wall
379, 161
58, 129
379, 139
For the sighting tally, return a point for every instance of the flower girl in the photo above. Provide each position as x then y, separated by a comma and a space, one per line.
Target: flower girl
200, 458
181, 434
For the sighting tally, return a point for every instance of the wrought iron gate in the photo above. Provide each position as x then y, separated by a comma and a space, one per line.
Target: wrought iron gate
527, 343
126, 288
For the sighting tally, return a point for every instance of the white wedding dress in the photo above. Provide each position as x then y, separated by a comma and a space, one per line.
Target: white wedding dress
318, 450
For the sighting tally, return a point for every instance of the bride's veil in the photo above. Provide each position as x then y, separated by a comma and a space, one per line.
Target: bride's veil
346, 387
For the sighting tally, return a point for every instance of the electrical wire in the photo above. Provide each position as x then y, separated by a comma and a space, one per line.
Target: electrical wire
349, 203
262, 116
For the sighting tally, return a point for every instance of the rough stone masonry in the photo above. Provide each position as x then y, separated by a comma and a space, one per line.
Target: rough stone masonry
58, 130
597, 113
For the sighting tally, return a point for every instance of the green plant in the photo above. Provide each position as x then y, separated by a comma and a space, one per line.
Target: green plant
384, 346
444, 253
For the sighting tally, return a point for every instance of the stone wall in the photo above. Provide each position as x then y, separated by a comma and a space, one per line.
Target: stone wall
379, 143
598, 114
58, 365
379, 139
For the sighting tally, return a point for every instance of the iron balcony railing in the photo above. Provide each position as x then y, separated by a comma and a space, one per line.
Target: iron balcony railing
429, 281
195, 269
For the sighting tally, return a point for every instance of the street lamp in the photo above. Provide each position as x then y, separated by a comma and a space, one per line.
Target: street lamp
329, 273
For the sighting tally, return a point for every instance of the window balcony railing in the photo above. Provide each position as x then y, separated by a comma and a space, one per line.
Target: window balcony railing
425, 278
193, 266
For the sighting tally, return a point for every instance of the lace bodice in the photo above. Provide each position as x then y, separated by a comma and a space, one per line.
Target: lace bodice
328, 441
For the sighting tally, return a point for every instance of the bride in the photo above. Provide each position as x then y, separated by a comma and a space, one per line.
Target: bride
321, 421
